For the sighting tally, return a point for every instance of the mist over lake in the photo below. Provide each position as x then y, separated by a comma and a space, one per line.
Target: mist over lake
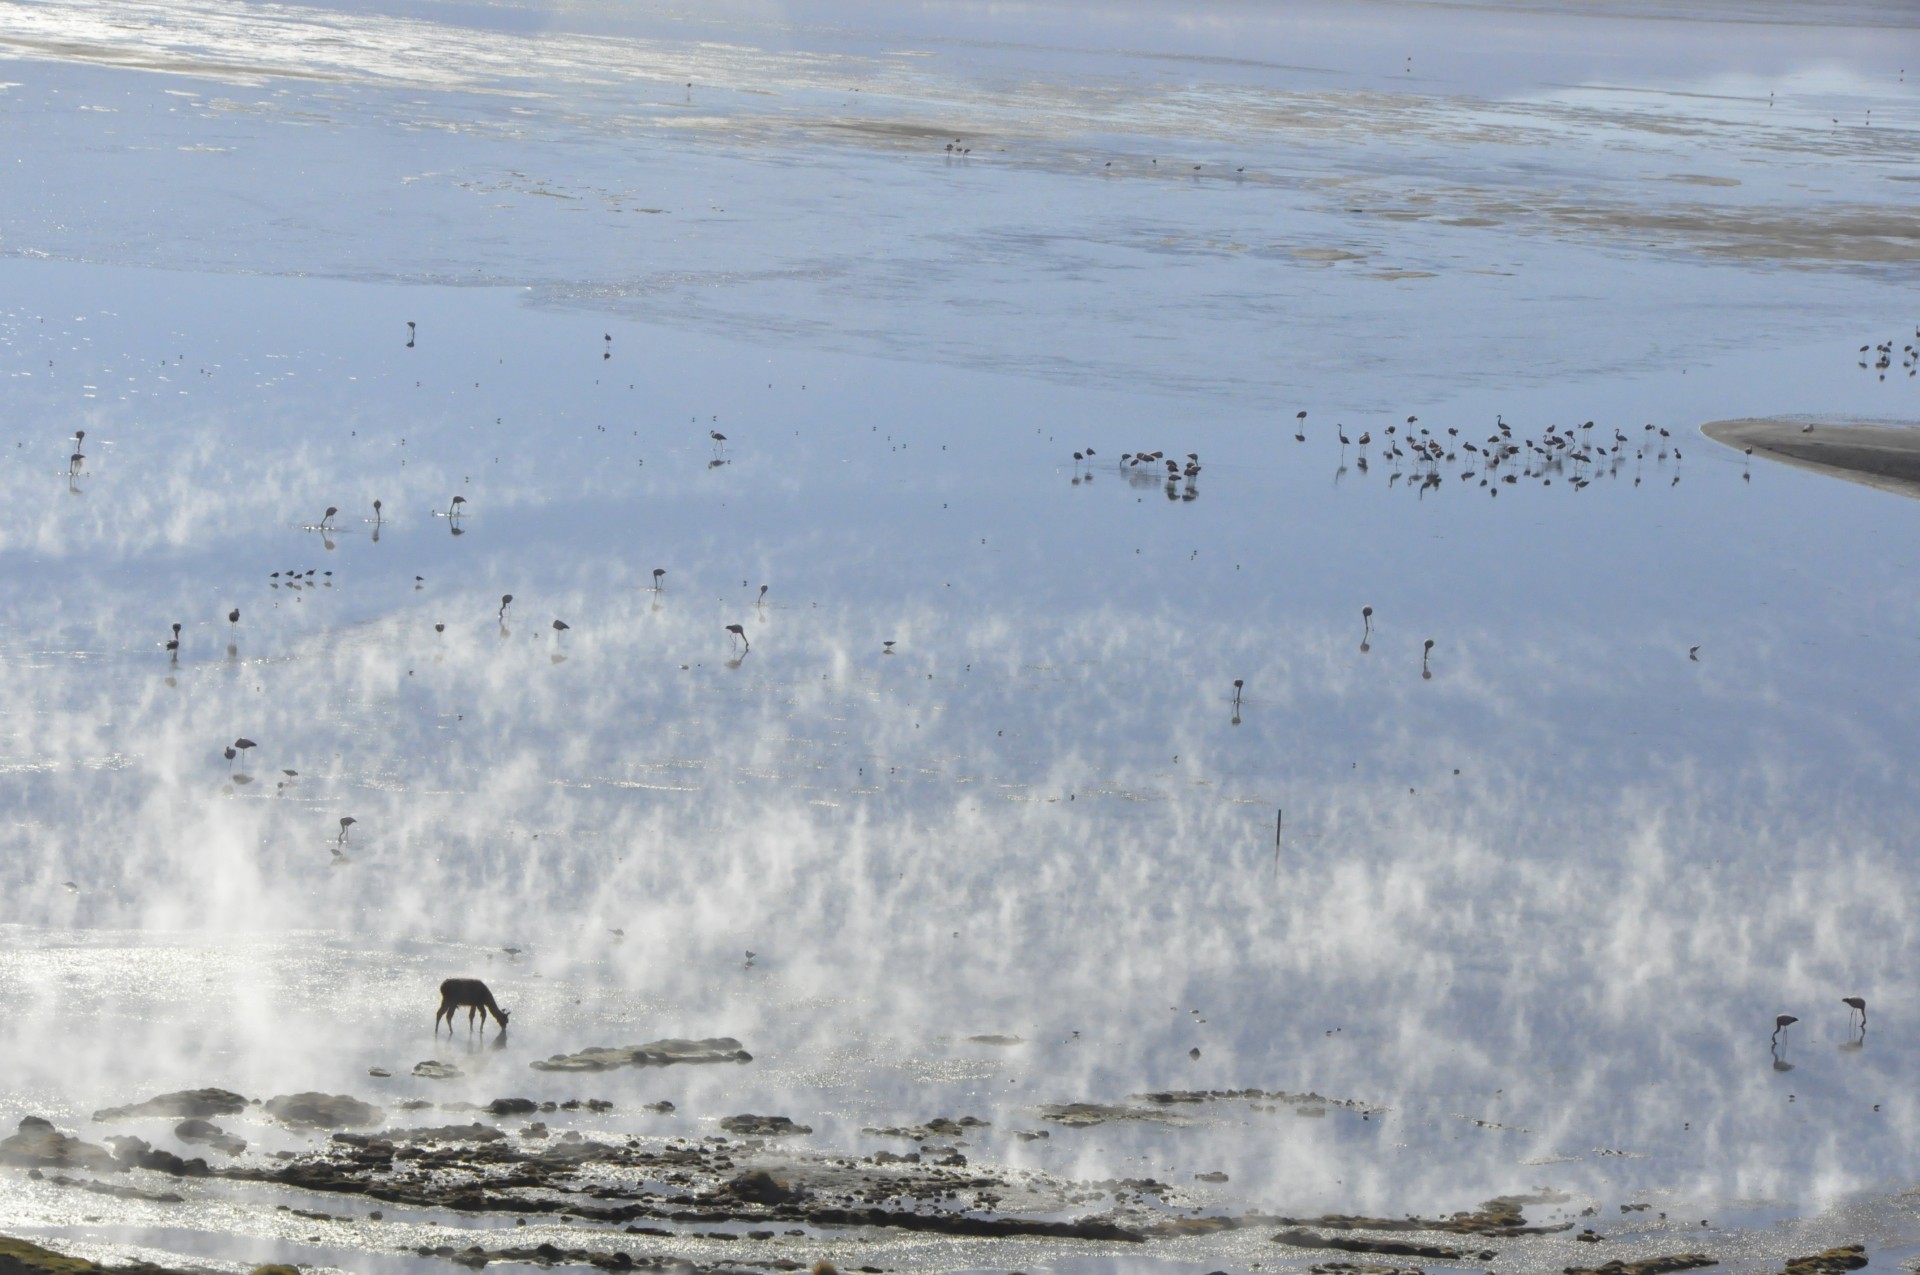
1071, 638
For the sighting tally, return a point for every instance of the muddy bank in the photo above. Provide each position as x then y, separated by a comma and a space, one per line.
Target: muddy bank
22, 1257
1879, 454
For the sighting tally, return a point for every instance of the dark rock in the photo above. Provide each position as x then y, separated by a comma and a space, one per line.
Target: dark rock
761, 1187
663, 1107
659, 1053
434, 1070
38, 1143
186, 1104
134, 1153
323, 1111
1848, 1257
1650, 1266
512, 1107
1215, 1176
763, 1126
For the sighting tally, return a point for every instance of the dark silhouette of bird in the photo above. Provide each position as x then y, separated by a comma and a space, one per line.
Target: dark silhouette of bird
887, 646
410, 334
762, 597
741, 633
233, 617
1693, 653
560, 626
328, 516
657, 573
376, 511
74, 462
173, 644
506, 600
1781, 1022
346, 822
1856, 1005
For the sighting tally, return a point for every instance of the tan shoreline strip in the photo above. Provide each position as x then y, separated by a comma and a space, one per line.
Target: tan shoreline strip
1882, 454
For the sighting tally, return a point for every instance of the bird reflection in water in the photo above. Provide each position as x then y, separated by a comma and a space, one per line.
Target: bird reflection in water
1779, 1041
1856, 1022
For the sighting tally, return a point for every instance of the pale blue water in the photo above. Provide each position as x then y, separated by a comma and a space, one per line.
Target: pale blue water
1561, 886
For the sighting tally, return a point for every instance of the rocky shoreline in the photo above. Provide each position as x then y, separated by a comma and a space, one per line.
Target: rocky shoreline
626, 1198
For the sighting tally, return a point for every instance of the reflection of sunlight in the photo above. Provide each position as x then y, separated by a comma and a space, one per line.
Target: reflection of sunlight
745, 685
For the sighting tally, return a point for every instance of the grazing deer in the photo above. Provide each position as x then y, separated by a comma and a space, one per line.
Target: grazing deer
473, 994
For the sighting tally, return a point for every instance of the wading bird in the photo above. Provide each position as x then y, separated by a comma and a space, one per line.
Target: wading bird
741, 633
346, 822
506, 600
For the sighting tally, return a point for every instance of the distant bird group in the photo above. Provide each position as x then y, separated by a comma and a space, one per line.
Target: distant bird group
1881, 355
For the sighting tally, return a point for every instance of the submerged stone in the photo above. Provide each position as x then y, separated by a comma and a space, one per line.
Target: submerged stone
659, 1053
323, 1111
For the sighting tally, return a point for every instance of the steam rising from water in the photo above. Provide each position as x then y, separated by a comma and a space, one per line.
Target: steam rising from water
1533, 915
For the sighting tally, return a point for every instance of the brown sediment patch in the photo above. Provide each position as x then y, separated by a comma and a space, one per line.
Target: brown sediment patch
1701, 179
1650, 1266
1847, 1257
1389, 1248
1327, 254
938, 1127
1500, 1217
1880, 454
1159, 1106
23, 1257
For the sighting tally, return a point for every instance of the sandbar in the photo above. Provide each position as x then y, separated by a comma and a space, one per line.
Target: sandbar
1882, 454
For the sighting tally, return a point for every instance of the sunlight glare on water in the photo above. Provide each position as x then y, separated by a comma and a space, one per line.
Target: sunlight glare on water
1028, 779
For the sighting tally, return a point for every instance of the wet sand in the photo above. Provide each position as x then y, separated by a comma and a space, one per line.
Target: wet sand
1880, 454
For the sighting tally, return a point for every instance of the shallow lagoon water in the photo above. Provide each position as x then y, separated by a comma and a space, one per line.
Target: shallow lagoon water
1531, 915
